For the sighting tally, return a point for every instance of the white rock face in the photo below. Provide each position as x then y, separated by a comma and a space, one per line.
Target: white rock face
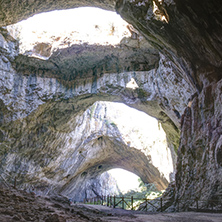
56, 138
140, 131
24, 94
102, 138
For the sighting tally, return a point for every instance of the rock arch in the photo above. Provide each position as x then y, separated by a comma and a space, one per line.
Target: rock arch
64, 160
14, 11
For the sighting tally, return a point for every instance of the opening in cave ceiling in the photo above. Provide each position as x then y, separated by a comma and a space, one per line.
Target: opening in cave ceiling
42, 34
41, 99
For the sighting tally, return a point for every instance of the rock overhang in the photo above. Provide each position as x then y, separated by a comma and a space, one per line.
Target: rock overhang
13, 11
45, 88
59, 159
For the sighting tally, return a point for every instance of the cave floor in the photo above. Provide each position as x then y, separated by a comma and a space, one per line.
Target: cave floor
18, 205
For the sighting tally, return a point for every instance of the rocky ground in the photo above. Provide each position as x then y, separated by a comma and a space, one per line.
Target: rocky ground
17, 205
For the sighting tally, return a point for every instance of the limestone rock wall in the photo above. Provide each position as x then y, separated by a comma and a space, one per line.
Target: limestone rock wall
41, 116
189, 34
68, 162
199, 156
24, 89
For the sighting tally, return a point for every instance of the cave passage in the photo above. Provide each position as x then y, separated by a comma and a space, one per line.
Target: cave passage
125, 180
114, 135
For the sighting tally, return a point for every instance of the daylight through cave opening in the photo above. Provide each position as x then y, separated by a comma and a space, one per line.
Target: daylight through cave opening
129, 184
42, 34
125, 180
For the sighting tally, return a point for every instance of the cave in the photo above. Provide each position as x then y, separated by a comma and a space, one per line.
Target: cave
172, 61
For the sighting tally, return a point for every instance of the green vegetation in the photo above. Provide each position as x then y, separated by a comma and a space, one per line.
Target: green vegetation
148, 191
113, 124
142, 93
93, 107
110, 122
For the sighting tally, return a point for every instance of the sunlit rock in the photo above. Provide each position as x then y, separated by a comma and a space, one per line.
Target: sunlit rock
42, 34
101, 138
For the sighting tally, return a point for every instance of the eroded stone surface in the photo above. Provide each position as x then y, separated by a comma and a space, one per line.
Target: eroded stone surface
188, 34
69, 158
38, 104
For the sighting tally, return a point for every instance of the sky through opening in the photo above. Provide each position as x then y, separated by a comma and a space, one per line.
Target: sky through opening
73, 26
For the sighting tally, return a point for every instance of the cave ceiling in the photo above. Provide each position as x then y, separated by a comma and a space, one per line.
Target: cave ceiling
15, 11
